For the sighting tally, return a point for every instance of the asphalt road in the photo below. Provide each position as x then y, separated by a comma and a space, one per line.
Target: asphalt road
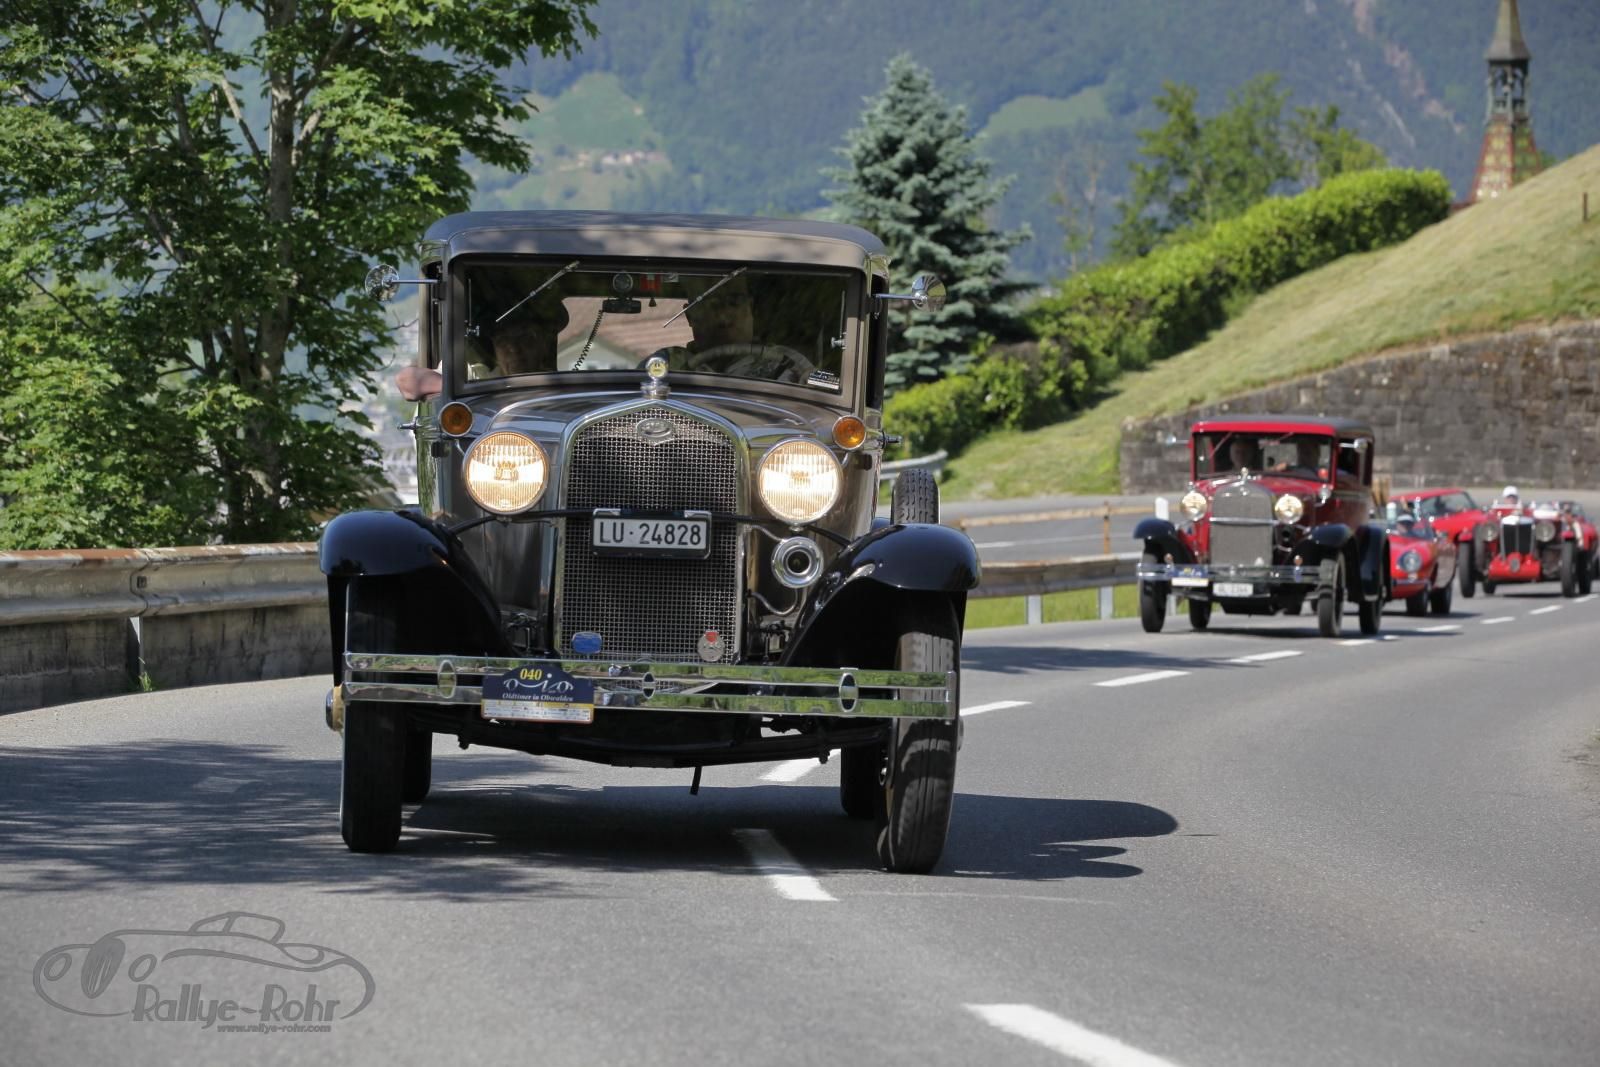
1251, 846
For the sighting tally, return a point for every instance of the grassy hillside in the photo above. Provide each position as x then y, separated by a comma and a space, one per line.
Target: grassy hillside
1526, 257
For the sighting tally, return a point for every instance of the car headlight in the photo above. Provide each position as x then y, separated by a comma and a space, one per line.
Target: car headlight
1410, 560
506, 472
1491, 532
1289, 508
1544, 530
799, 481
1194, 504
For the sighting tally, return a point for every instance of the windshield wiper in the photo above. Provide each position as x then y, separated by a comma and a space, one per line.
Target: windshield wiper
724, 280
547, 284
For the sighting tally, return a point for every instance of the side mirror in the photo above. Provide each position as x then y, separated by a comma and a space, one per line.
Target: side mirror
384, 281
927, 293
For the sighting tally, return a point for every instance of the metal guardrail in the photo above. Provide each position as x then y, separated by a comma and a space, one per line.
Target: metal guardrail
891, 470
130, 583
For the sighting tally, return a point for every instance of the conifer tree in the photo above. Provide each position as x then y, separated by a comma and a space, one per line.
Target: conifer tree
915, 180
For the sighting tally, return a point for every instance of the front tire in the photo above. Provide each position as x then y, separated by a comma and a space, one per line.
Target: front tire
1330, 605
1465, 574
1586, 574
1153, 600
1440, 600
416, 776
1371, 615
370, 784
1418, 604
1569, 569
919, 789
1199, 614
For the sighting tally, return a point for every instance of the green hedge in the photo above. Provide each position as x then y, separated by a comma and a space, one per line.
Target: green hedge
1126, 315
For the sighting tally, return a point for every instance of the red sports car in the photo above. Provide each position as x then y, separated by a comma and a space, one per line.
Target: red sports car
1454, 513
1422, 564
1539, 542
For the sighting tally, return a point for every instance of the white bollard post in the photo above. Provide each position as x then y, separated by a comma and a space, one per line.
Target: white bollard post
1035, 609
1106, 607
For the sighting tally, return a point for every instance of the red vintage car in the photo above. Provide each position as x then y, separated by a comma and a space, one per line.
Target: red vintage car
1422, 563
1453, 511
1540, 542
1277, 513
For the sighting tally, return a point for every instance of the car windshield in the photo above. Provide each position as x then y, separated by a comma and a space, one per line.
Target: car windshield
1292, 455
1444, 504
578, 317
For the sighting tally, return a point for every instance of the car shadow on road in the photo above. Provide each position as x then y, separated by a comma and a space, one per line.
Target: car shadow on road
1021, 659
497, 826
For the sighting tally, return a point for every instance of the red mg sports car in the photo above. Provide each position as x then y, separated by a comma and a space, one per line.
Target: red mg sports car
1540, 542
1422, 563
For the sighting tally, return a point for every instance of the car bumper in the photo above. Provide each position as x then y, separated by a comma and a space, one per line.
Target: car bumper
717, 689
1190, 578
1515, 568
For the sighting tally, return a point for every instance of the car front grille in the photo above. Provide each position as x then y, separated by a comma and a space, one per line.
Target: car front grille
1241, 525
1516, 535
651, 608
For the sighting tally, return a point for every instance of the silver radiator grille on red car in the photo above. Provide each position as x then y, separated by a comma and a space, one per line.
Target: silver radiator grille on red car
1516, 534
1241, 525
654, 607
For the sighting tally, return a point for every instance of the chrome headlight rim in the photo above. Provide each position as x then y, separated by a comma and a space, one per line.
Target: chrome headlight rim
499, 438
817, 508
1194, 504
1491, 532
1544, 530
1288, 509
1411, 560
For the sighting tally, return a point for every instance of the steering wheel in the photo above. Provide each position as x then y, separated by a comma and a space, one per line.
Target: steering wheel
748, 359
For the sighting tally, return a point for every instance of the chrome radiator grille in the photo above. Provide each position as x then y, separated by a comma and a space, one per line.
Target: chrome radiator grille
653, 608
1241, 525
1516, 535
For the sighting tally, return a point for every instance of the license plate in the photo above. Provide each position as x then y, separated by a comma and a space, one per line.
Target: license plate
1233, 589
1190, 577
538, 694
687, 535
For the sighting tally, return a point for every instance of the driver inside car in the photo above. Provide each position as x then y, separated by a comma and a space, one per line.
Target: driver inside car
724, 326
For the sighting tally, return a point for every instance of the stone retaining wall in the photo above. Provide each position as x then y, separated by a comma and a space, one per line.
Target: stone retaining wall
1517, 407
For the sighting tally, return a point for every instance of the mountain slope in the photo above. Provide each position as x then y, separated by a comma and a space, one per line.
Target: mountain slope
749, 98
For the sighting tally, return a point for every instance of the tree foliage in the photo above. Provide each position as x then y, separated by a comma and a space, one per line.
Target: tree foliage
220, 175
915, 180
1197, 170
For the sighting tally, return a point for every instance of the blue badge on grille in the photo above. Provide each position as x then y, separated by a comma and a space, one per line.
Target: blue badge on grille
586, 643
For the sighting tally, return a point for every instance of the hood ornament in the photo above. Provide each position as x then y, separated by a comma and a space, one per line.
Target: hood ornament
655, 378
655, 431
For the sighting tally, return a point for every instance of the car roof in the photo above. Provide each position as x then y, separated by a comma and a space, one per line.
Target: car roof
800, 242
1283, 424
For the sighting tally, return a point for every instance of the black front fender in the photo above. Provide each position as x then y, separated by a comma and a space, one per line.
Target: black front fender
874, 581
1161, 538
1372, 554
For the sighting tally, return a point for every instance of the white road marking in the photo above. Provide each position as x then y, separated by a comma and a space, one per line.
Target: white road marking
796, 769
781, 869
1267, 657
1444, 629
1063, 1036
1545, 611
1138, 679
1586, 599
1498, 619
1354, 641
998, 705
791, 770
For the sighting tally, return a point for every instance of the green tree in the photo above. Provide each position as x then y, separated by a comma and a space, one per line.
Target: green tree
915, 180
225, 171
1198, 171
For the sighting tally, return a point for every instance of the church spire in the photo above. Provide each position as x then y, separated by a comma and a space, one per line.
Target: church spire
1508, 155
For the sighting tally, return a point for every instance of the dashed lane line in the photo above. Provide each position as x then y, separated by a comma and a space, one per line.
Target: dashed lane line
1545, 611
1064, 1036
1139, 679
780, 868
796, 769
1443, 628
1352, 642
1497, 620
1267, 657
1586, 599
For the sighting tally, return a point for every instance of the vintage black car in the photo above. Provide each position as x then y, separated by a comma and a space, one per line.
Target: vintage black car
648, 456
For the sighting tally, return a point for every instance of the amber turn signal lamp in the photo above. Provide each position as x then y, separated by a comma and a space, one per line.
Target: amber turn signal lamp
849, 432
455, 419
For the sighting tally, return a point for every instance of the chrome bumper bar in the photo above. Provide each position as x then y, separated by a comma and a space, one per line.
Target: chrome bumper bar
840, 692
1201, 575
